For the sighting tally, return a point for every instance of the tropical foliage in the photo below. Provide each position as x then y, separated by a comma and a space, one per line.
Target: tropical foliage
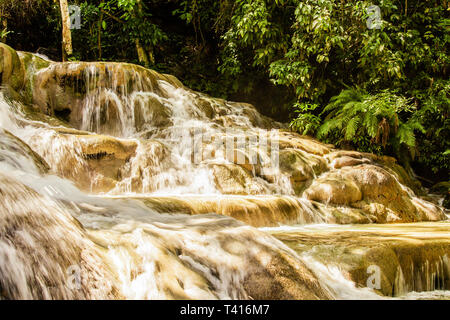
355, 113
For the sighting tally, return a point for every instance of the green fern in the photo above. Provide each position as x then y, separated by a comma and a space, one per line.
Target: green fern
355, 113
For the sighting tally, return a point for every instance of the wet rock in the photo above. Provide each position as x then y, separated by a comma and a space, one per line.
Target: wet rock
335, 155
408, 257
443, 189
149, 111
206, 107
347, 162
61, 89
12, 72
139, 173
340, 159
293, 140
267, 211
17, 147
233, 179
41, 245
98, 147
92, 162
32, 64
283, 278
301, 167
335, 190
375, 191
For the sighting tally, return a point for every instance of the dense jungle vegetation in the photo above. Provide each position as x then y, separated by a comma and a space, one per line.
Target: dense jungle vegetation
375, 81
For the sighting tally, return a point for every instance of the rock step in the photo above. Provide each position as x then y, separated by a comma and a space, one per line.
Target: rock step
410, 257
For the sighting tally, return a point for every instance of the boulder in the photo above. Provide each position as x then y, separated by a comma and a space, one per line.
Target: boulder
41, 244
15, 146
300, 167
293, 140
409, 257
335, 190
374, 190
234, 179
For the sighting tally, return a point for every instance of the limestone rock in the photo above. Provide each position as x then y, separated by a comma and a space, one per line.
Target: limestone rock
283, 278
233, 179
31, 271
334, 190
295, 141
375, 191
300, 167
12, 72
17, 146
409, 257
267, 211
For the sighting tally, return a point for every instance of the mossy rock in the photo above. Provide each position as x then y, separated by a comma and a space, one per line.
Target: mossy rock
300, 167
32, 64
12, 72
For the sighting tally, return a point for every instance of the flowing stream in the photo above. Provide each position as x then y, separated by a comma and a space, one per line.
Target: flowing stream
139, 188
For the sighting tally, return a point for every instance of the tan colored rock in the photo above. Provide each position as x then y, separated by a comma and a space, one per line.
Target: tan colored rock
350, 154
206, 107
284, 278
300, 167
373, 190
295, 141
43, 242
340, 159
267, 211
347, 162
233, 179
149, 111
99, 146
61, 88
92, 162
137, 175
337, 191
375, 182
17, 146
11, 69
410, 257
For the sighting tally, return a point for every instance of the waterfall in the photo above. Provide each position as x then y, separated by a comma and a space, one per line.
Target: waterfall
113, 248
120, 183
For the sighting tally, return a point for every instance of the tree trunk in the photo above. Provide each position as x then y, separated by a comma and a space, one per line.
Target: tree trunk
144, 56
99, 36
66, 33
3, 26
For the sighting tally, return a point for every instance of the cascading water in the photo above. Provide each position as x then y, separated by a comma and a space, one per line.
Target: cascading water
122, 249
160, 167
177, 126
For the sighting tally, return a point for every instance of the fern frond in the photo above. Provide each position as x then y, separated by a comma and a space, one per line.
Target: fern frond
405, 135
351, 128
327, 127
371, 124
